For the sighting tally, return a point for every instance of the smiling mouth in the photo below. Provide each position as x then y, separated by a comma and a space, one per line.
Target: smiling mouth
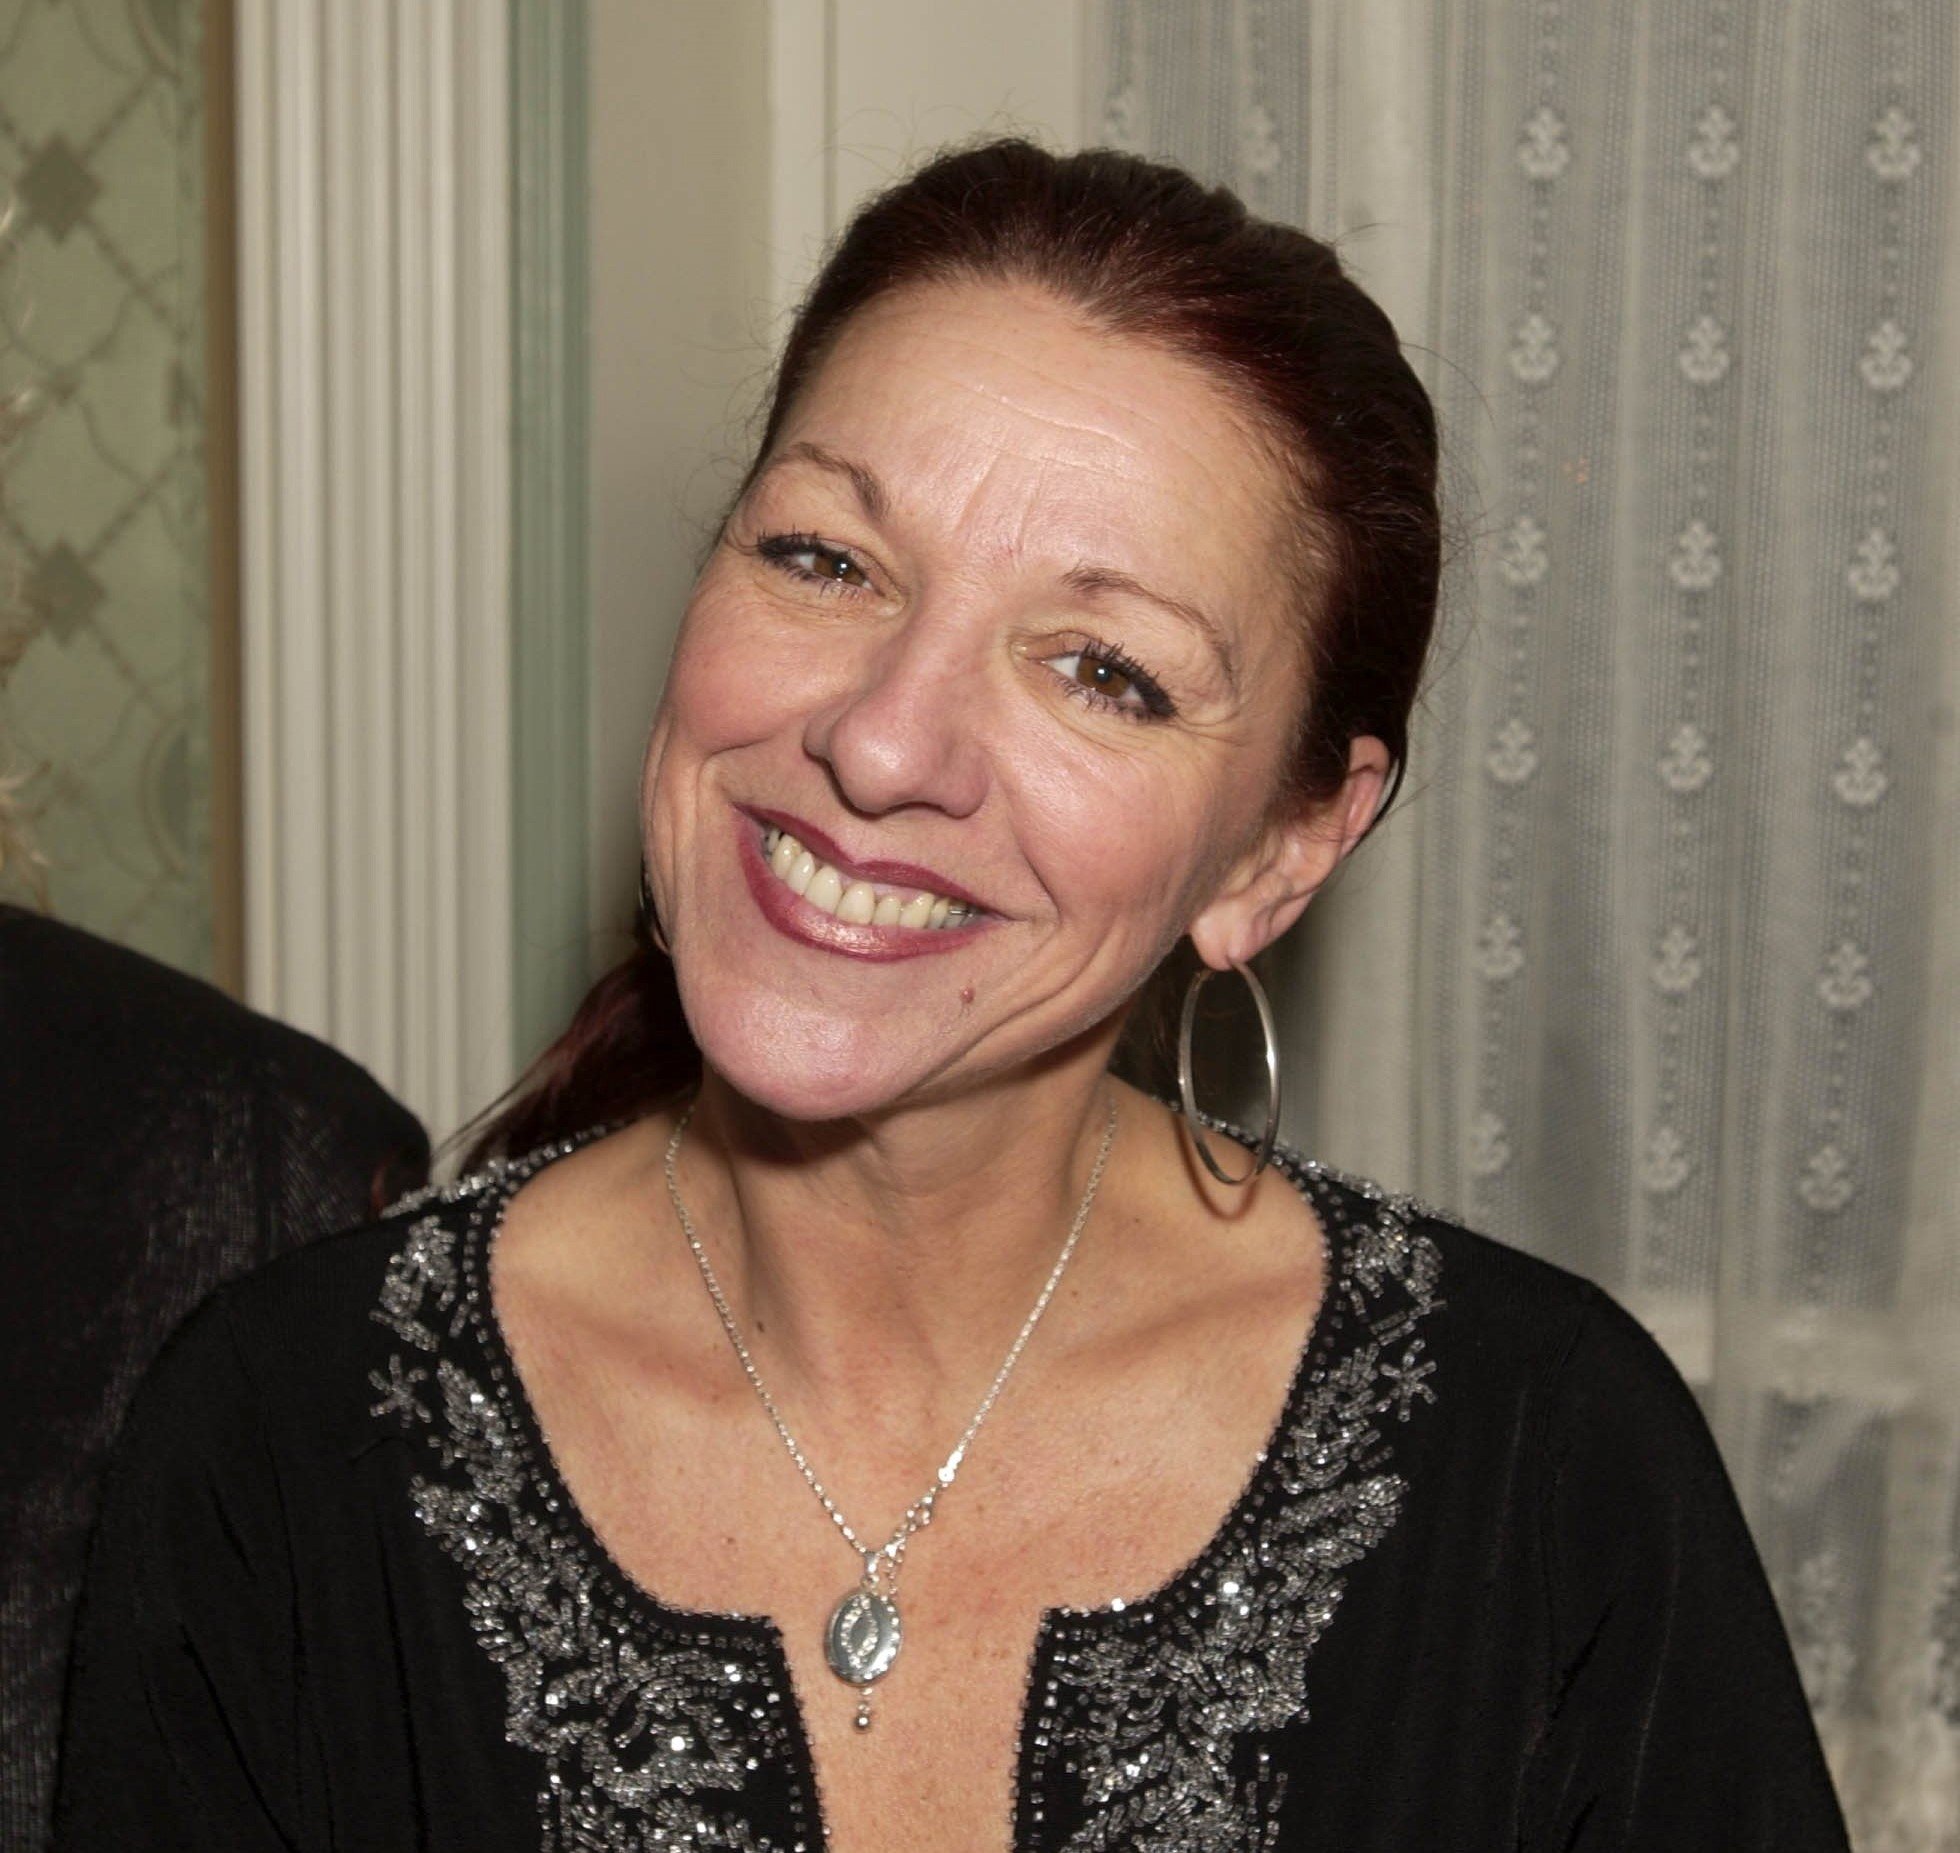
854, 902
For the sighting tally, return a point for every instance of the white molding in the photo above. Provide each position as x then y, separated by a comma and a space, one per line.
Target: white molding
802, 129
374, 395
858, 89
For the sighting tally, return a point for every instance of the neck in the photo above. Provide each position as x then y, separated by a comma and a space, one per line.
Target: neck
886, 1263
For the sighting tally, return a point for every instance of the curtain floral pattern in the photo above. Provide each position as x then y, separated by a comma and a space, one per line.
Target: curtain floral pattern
1658, 972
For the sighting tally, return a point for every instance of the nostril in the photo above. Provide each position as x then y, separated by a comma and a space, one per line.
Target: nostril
903, 727
884, 755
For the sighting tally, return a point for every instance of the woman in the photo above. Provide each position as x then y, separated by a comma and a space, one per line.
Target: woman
1073, 607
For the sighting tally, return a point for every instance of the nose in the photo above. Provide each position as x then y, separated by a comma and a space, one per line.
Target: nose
909, 728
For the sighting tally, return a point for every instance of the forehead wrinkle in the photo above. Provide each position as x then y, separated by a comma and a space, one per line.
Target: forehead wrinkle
1017, 357
1127, 458
939, 368
1016, 506
1054, 422
931, 348
1135, 454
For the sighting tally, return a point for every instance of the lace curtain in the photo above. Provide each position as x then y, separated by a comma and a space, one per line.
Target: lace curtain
1658, 971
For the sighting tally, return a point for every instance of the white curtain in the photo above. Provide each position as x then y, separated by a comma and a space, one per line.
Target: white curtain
1658, 971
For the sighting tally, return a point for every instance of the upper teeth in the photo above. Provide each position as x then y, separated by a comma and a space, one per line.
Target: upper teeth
859, 902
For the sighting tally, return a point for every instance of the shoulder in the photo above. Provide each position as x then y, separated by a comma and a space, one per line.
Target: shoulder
1545, 1395
1554, 1361
99, 1039
65, 980
281, 1332
282, 1361
356, 1281
417, 1276
1515, 1335
1500, 1306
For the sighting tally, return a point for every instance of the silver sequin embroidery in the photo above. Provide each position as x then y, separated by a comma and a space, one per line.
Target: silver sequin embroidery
1151, 1729
648, 1740
1150, 1721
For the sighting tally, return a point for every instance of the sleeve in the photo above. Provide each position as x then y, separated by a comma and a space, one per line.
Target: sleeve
182, 1718
1677, 1718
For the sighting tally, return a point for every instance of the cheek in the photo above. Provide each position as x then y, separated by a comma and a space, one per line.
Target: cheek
738, 677
734, 678
731, 682
1122, 839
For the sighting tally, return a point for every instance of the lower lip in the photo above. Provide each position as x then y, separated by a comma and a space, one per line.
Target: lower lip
793, 917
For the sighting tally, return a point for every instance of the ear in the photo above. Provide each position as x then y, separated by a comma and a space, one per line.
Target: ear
1270, 885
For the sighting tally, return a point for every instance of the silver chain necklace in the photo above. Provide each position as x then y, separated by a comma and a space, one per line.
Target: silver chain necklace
863, 1635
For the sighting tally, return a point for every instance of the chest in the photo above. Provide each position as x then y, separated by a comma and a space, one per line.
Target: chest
1086, 1646
696, 1500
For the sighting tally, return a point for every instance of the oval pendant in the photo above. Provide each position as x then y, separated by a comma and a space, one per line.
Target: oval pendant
863, 1637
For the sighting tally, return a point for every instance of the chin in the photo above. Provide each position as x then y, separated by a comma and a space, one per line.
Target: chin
794, 1063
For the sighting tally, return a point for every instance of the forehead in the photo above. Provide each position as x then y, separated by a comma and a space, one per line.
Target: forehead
1003, 407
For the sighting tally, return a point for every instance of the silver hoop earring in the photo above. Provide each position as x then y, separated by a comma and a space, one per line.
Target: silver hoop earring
1189, 1094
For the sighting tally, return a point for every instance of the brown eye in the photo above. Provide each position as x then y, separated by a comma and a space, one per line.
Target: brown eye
841, 568
1104, 678
803, 556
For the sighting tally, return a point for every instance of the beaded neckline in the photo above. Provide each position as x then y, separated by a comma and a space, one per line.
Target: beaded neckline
1101, 1735
540, 1462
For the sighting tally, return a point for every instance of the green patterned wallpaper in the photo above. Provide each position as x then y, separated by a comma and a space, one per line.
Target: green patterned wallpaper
105, 627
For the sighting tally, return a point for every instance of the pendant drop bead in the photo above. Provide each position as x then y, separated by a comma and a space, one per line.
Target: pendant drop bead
863, 1638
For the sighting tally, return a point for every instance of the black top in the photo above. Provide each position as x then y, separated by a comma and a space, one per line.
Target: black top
155, 1137
1486, 1588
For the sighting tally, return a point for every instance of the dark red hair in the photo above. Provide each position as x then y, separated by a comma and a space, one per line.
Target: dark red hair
1147, 252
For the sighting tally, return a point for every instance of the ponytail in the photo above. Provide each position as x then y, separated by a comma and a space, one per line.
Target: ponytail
626, 1052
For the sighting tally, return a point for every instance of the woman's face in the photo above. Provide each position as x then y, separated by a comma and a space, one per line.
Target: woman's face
1004, 621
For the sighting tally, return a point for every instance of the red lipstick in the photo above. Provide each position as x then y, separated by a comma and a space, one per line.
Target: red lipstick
796, 919
876, 869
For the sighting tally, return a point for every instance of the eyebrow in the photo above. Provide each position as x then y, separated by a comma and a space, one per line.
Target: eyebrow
1093, 579
870, 491
1087, 580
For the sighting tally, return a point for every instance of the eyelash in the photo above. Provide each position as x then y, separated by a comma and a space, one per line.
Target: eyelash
781, 551
1157, 706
